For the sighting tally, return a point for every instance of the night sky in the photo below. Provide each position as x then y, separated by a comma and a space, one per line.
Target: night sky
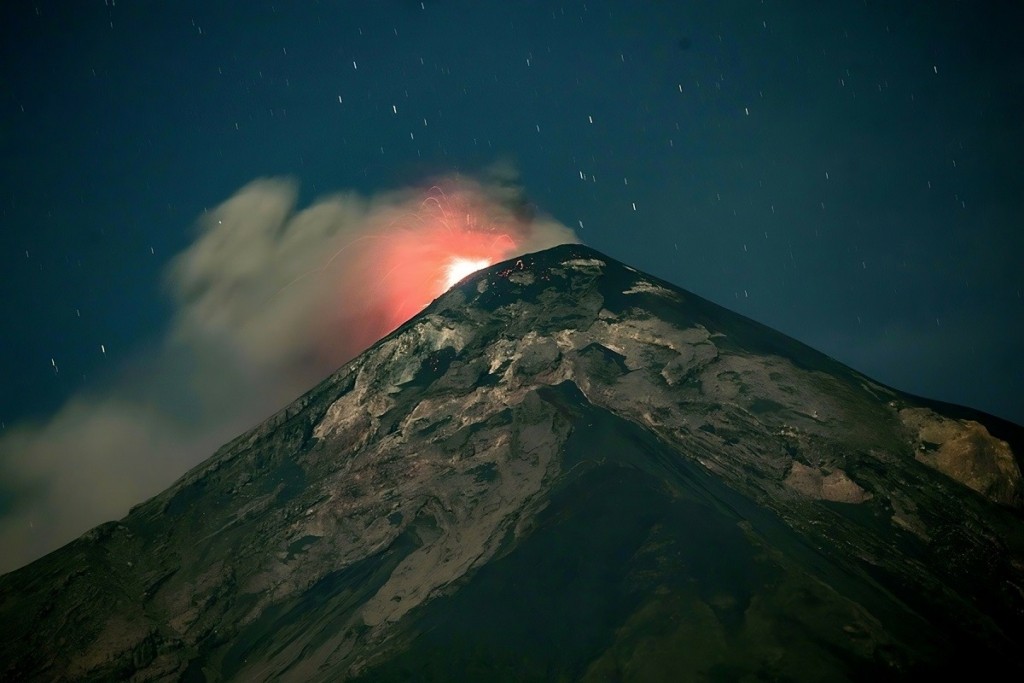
851, 176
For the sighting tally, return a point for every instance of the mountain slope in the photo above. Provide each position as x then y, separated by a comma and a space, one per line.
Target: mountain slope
562, 469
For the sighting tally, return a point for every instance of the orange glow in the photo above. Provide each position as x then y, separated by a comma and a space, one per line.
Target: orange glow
460, 267
413, 253
443, 246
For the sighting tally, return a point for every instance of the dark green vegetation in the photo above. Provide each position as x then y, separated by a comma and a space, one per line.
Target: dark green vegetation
562, 470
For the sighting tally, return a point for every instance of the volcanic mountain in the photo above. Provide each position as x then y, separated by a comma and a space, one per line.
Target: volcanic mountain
562, 469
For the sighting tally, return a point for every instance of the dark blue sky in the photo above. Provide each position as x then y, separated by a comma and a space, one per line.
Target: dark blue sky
849, 175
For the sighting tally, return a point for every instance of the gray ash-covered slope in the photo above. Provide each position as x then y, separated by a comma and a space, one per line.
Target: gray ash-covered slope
563, 469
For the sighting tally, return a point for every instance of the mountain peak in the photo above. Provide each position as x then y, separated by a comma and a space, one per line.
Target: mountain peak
560, 467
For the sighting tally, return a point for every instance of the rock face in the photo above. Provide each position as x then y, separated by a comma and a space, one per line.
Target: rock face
562, 469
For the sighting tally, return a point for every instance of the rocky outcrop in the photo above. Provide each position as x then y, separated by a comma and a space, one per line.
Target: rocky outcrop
965, 451
834, 486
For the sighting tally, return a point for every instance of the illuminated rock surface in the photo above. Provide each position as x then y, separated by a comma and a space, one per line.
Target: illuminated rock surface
563, 469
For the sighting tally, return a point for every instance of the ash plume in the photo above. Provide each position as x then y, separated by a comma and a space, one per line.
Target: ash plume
269, 299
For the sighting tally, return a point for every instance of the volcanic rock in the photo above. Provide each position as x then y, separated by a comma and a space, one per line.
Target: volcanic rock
562, 469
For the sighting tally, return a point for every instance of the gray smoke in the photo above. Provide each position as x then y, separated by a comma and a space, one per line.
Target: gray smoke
269, 299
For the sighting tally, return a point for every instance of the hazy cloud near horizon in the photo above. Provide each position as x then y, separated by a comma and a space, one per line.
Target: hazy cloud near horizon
269, 299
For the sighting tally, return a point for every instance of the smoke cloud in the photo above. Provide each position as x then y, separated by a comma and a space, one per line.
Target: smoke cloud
269, 299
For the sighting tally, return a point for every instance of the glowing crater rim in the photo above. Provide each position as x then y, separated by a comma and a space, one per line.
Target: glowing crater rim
460, 267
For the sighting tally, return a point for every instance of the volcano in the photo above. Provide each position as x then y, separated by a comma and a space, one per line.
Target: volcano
561, 469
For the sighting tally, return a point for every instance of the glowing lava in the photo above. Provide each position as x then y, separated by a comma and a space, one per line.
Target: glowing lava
460, 267
422, 264
411, 253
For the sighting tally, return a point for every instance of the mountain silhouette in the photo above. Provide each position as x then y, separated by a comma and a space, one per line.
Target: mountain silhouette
562, 469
